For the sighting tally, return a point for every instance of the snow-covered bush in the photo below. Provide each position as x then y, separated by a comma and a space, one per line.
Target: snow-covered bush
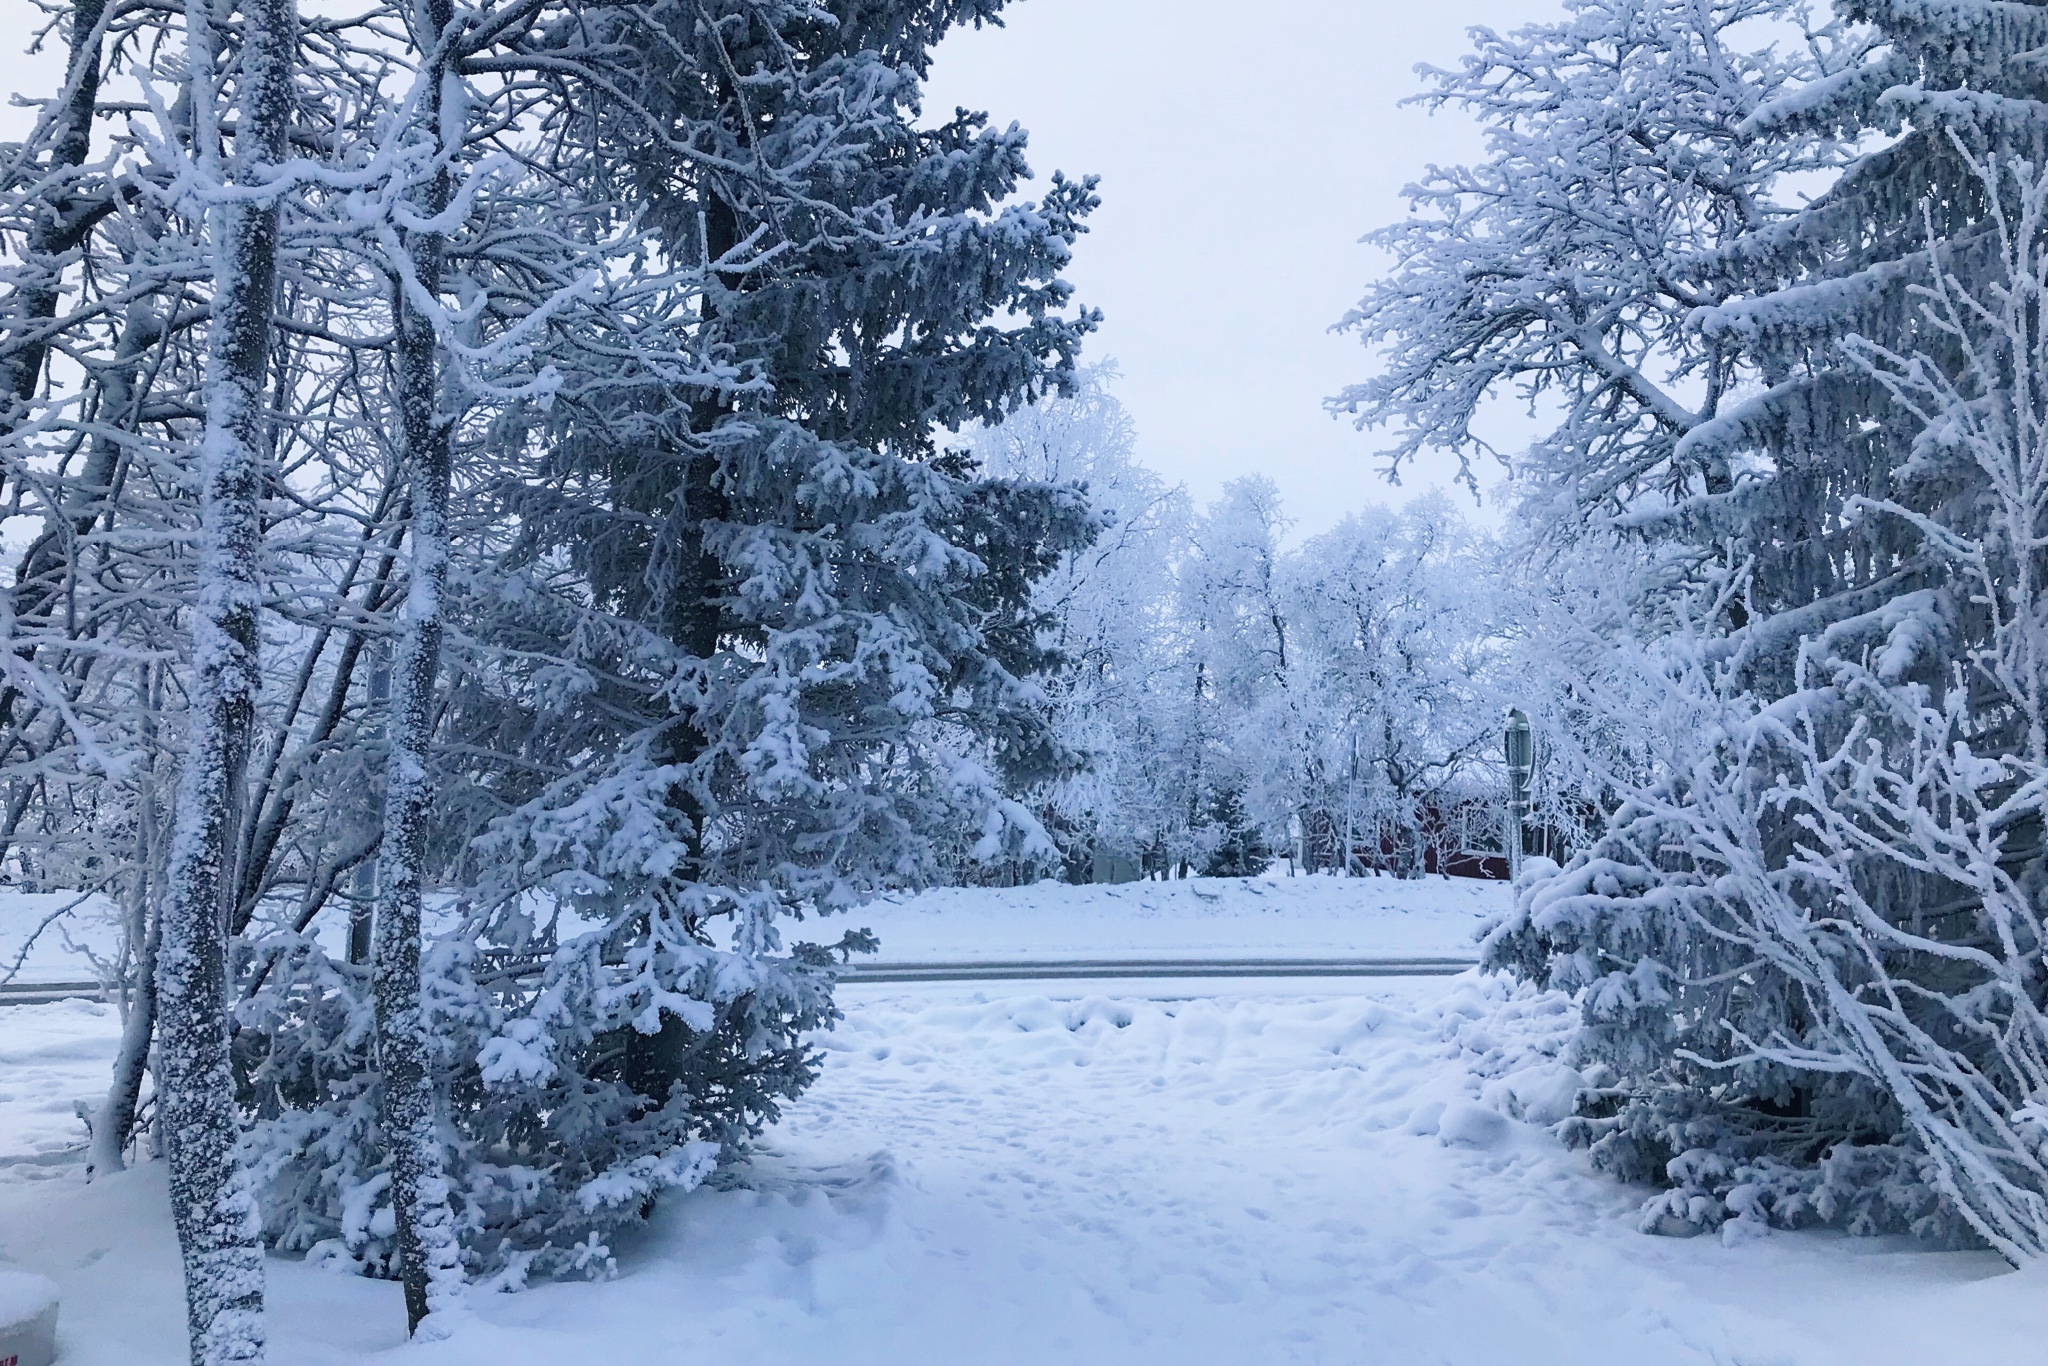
576, 1085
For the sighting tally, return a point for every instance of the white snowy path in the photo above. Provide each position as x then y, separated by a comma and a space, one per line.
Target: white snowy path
1323, 1173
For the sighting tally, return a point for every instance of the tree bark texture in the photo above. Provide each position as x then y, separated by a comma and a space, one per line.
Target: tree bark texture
216, 1217
116, 1119
430, 1262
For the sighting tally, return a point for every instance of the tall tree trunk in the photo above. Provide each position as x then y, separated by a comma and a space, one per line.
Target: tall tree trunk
430, 1258
694, 580
218, 1228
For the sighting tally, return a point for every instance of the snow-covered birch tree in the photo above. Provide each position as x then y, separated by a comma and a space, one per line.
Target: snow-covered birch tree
1398, 622
429, 1259
59, 199
1559, 273
214, 1210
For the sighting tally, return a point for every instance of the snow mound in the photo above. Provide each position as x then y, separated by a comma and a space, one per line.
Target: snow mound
1543, 1094
24, 1296
52, 1058
1473, 1125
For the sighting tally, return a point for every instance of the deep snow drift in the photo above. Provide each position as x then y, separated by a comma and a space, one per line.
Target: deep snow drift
1359, 1176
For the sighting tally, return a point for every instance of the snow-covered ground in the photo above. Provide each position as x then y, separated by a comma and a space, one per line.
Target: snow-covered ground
988, 1176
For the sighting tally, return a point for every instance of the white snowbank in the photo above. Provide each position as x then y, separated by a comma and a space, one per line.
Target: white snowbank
51, 1057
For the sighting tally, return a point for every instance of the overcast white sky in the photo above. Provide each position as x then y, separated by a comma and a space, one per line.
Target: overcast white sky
1243, 150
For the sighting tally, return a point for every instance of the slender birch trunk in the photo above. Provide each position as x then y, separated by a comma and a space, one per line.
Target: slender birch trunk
116, 1119
429, 1255
218, 1226
115, 1122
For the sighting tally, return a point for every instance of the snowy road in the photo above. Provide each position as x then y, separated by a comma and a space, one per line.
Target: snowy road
1118, 970
42, 993
1141, 969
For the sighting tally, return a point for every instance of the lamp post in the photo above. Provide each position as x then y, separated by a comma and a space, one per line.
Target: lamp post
1520, 744
1350, 794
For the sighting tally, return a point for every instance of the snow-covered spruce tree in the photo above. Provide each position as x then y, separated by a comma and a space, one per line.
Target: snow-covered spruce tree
215, 1215
1846, 835
831, 596
731, 637
1240, 849
791, 524
1808, 945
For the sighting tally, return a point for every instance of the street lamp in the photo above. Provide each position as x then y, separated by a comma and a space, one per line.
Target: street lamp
1350, 796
